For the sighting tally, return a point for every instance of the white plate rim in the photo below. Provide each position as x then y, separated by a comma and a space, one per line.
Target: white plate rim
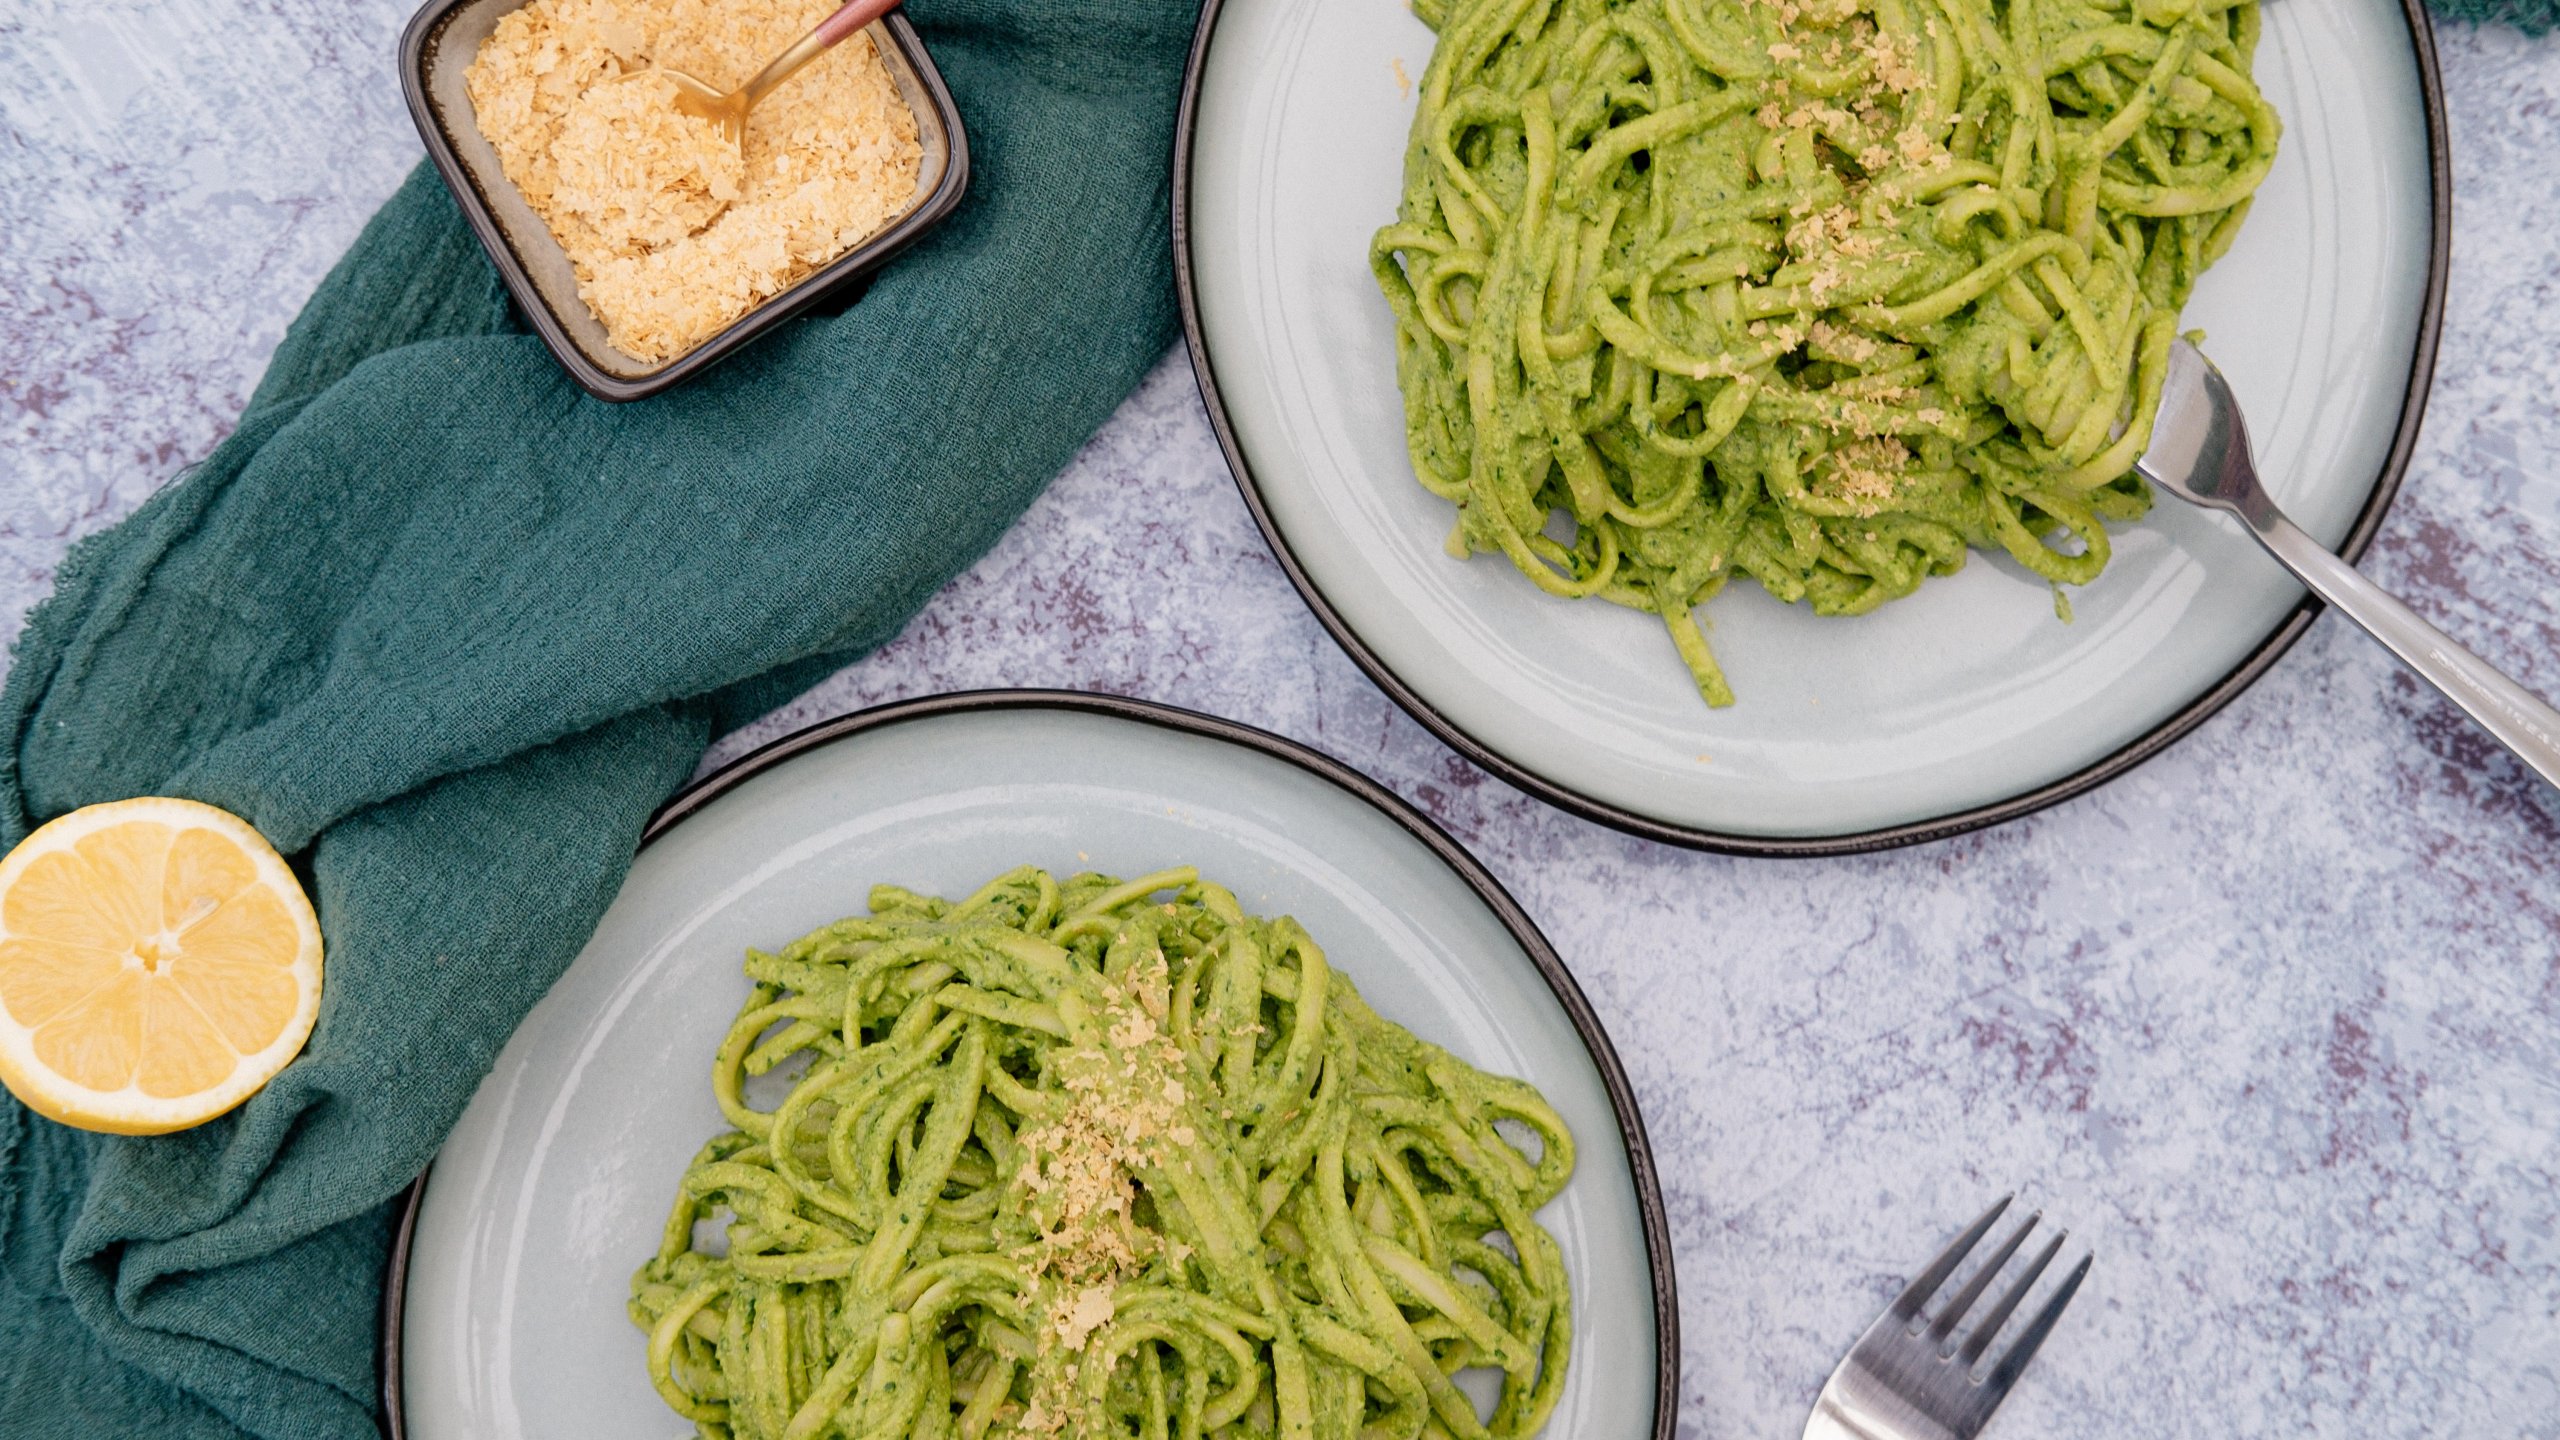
2159, 737
1654, 1219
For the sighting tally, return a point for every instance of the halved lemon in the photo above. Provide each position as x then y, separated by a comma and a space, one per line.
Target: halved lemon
158, 963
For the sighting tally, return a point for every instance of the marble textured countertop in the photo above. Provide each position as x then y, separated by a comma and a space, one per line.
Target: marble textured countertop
2273, 1022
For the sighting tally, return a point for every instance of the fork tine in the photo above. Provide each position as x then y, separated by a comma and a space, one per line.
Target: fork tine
2011, 1365
1980, 1339
1906, 1307
1949, 1318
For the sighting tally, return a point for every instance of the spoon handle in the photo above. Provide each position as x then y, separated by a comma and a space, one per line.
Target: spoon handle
829, 32
2522, 722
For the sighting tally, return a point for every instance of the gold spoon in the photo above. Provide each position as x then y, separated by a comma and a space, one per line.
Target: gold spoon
729, 112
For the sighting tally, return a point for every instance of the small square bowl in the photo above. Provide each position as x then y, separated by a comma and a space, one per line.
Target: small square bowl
439, 46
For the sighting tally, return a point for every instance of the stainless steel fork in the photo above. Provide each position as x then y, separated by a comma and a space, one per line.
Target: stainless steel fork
1911, 1378
2200, 452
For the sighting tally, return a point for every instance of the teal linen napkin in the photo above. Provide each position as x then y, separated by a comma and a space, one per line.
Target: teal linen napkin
2533, 17
447, 630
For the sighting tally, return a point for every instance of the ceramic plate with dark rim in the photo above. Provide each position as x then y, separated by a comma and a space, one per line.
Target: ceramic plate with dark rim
1964, 705
506, 1297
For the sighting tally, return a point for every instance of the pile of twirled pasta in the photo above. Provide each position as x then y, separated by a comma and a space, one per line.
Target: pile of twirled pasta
1101, 1159
1819, 292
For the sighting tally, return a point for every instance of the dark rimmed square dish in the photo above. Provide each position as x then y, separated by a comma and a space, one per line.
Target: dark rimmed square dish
434, 52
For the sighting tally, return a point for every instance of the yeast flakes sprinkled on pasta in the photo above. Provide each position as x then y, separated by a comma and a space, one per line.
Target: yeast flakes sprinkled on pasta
1125, 1111
673, 235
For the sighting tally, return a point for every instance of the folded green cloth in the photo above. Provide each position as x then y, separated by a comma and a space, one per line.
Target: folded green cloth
2533, 17
446, 630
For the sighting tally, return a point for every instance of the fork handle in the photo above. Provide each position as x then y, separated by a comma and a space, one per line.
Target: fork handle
826, 36
2519, 719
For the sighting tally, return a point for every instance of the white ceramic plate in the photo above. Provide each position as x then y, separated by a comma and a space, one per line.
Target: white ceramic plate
1963, 705
554, 1186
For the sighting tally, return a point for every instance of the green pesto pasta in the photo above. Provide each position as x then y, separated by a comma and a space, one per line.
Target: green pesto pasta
1817, 292
1099, 1159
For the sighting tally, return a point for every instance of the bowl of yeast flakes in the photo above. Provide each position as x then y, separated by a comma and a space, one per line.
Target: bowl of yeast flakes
642, 247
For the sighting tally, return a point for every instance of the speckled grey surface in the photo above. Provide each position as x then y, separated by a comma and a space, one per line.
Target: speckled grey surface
2274, 1021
